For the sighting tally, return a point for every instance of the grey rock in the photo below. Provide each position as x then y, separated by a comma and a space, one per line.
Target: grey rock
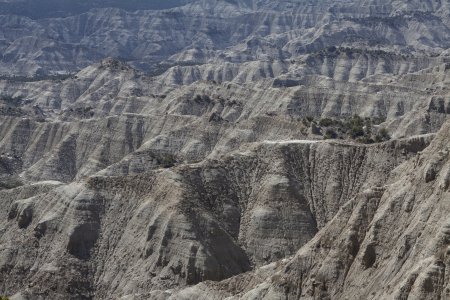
179, 153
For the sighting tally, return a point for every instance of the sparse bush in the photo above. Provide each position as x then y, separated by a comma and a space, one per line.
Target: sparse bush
330, 134
307, 121
384, 133
382, 136
326, 122
378, 120
355, 127
368, 126
356, 131
356, 121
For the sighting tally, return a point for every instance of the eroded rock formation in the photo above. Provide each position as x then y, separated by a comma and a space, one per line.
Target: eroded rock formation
236, 150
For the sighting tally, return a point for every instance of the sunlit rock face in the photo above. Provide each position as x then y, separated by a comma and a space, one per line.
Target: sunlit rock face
243, 149
218, 32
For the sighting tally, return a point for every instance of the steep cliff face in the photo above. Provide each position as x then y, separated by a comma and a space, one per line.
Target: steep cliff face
238, 149
126, 235
234, 31
387, 242
111, 117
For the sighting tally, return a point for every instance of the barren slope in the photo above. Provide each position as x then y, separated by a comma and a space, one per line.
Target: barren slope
128, 235
244, 149
388, 242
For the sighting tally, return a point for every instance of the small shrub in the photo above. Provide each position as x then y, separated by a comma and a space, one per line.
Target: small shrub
384, 133
355, 128
368, 126
330, 134
378, 120
357, 121
382, 136
306, 122
326, 122
356, 131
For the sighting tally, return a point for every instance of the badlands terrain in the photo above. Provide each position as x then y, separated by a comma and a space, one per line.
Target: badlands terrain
225, 149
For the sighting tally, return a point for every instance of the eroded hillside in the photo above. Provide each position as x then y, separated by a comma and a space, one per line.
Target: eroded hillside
231, 150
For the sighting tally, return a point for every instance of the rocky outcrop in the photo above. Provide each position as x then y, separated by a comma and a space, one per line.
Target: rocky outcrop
184, 225
387, 242
244, 149
111, 118
235, 32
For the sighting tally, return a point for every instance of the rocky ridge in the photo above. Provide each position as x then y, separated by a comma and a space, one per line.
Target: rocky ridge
234, 32
359, 254
282, 191
200, 164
